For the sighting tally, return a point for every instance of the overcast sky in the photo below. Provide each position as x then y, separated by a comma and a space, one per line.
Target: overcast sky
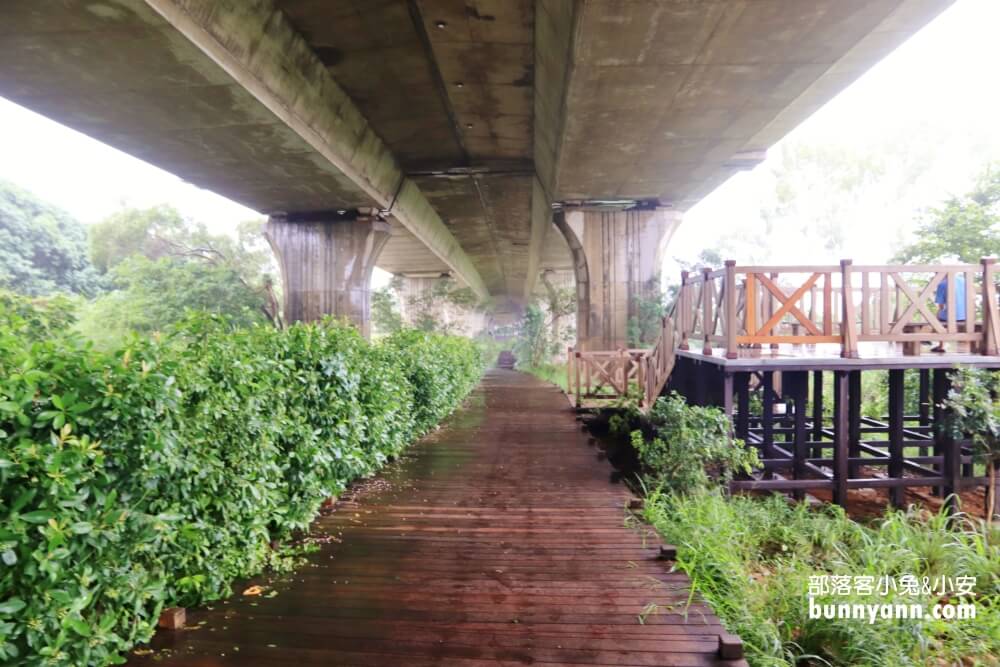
940, 87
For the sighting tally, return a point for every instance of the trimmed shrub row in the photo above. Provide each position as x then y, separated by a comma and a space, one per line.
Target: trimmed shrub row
160, 473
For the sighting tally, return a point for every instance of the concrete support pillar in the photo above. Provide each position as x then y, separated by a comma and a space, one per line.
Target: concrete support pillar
617, 256
326, 266
422, 301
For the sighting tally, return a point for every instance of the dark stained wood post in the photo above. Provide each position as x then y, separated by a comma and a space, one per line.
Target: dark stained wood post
727, 398
767, 419
817, 410
841, 440
706, 312
700, 382
798, 386
684, 306
942, 438
848, 320
854, 418
742, 406
897, 495
996, 491
991, 317
924, 409
770, 307
732, 326
946, 444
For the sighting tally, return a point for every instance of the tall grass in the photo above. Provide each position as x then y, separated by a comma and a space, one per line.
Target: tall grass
751, 559
552, 373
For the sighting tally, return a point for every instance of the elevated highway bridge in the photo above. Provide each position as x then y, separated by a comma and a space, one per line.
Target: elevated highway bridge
441, 136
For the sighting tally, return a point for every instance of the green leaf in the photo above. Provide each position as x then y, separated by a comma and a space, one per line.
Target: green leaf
12, 606
76, 625
38, 516
81, 527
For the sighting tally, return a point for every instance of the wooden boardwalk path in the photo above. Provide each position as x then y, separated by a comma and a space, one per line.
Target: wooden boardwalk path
497, 540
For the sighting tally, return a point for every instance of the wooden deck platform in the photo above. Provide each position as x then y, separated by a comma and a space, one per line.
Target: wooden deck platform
497, 540
826, 357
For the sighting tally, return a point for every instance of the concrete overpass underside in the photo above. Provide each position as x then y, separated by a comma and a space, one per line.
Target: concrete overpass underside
459, 122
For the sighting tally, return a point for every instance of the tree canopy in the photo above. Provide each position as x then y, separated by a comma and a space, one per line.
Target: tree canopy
965, 227
162, 265
43, 250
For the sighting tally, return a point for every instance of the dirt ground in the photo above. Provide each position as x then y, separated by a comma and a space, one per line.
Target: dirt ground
869, 503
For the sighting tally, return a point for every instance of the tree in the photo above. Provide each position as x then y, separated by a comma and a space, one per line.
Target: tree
42, 249
385, 313
237, 266
532, 347
966, 227
149, 232
560, 303
151, 295
438, 305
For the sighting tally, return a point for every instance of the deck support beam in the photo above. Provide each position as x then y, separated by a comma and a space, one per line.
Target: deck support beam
257, 46
841, 436
896, 409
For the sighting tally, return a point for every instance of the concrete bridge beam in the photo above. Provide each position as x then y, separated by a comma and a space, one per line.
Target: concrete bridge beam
326, 266
617, 255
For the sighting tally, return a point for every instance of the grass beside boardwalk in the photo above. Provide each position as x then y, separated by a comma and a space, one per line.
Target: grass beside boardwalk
751, 558
552, 373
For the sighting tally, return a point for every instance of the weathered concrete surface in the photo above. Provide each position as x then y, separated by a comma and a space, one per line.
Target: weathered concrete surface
618, 255
224, 93
326, 267
466, 118
662, 96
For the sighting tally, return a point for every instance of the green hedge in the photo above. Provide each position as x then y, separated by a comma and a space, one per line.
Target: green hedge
158, 474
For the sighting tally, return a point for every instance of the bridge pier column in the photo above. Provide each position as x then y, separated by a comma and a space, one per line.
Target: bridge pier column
617, 256
326, 264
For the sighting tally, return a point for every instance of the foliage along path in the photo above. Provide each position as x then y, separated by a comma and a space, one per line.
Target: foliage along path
498, 539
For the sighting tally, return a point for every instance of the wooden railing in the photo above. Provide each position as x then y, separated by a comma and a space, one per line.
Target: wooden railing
744, 306
596, 376
753, 306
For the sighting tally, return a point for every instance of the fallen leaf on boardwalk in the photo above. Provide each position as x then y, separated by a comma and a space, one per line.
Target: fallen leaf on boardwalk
254, 590
143, 651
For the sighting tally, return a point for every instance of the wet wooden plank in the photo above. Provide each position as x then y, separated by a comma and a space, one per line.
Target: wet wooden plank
499, 539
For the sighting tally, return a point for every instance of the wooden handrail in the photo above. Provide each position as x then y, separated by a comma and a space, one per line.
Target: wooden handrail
721, 309
844, 304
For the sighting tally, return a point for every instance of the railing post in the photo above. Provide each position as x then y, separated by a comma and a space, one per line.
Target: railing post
684, 310
569, 368
991, 318
848, 325
731, 325
770, 306
576, 370
706, 312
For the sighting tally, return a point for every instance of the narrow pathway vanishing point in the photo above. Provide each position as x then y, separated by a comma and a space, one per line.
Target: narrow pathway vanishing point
497, 540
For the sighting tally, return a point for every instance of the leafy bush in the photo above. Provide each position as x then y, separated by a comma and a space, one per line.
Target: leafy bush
976, 414
159, 473
751, 559
440, 369
686, 447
